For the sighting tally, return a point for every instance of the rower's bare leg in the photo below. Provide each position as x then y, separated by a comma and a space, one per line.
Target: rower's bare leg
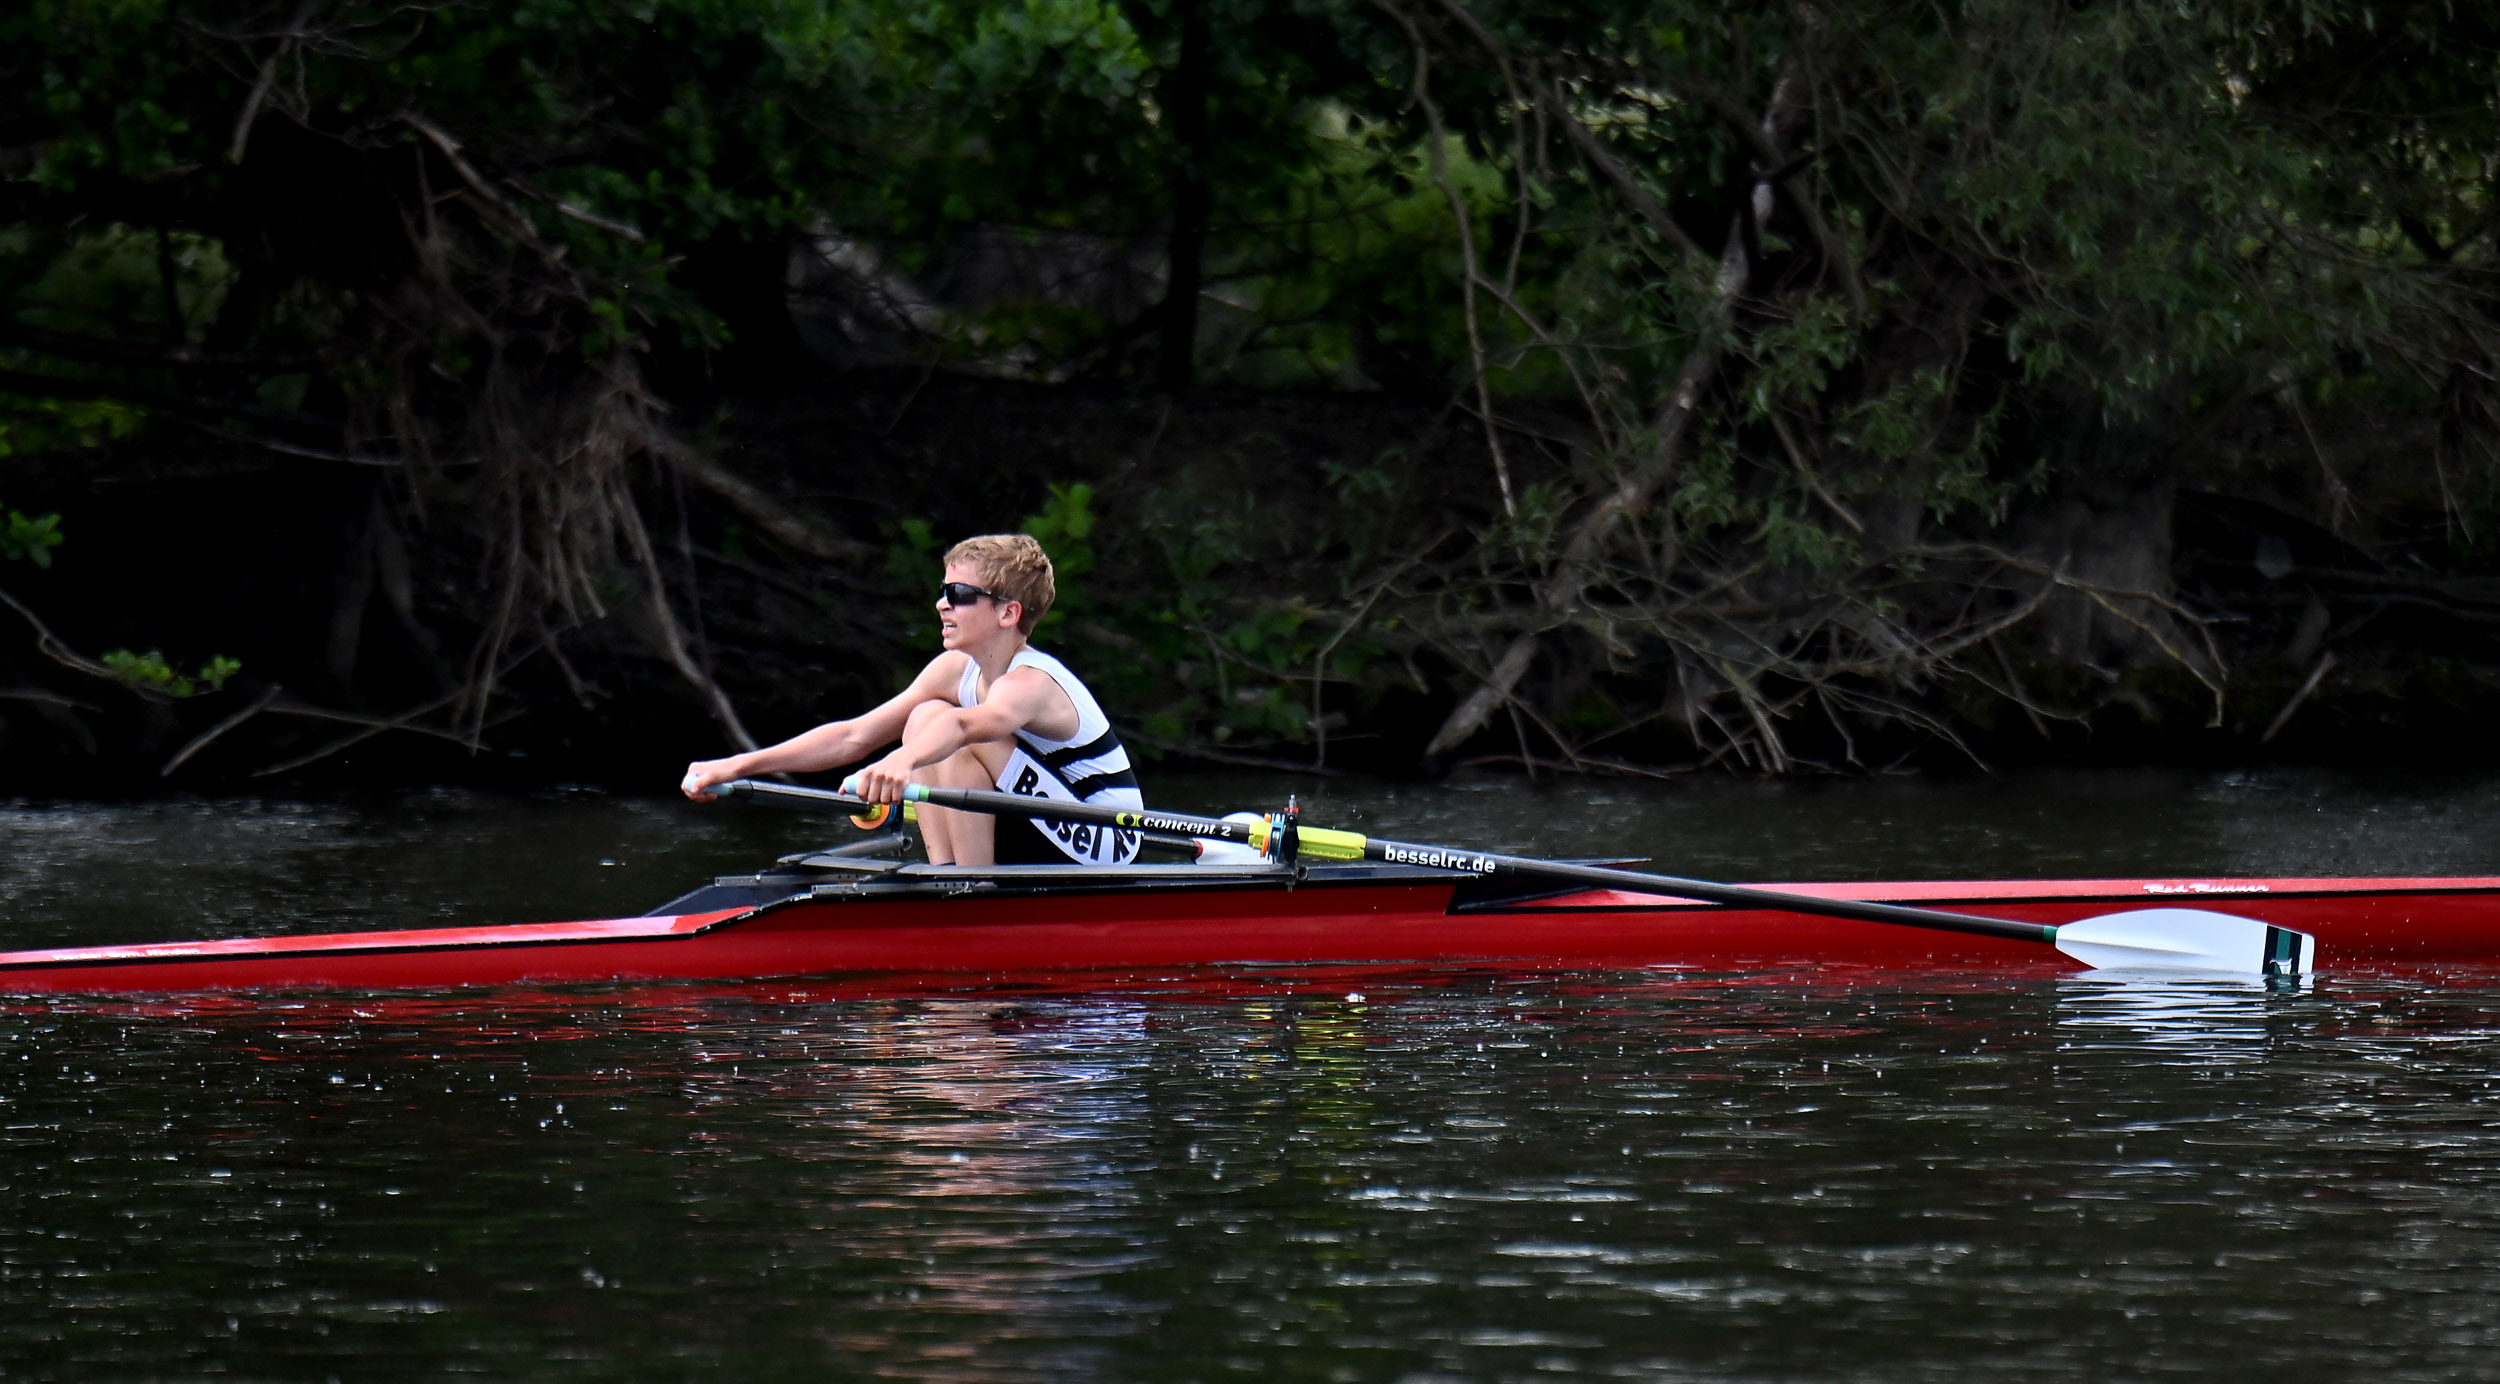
952, 837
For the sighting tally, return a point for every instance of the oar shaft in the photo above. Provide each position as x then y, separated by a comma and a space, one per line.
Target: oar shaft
1015, 805
1345, 845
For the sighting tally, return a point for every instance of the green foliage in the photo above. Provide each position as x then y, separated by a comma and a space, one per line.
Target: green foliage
33, 426
911, 565
150, 672
1169, 648
29, 537
115, 280
1794, 539
1533, 529
1197, 643
1707, 497
1363, 264
1065, 529
1794, 360
2005, 243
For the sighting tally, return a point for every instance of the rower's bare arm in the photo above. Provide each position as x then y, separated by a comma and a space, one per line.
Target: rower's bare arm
834, 744
1037, 702
1024, 698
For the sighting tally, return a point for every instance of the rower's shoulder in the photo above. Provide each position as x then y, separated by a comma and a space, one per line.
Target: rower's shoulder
1044, 664
1031, 674
1050, 710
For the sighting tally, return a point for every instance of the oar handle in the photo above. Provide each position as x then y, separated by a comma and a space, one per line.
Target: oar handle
1323, 844
812, 797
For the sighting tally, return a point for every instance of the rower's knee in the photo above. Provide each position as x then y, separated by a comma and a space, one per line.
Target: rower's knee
947, 772
957, 770
973, 766
920, 714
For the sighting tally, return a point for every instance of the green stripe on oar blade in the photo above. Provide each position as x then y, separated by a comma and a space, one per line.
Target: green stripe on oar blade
2163, 938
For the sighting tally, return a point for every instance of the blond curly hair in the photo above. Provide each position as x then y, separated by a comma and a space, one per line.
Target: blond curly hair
1014, 566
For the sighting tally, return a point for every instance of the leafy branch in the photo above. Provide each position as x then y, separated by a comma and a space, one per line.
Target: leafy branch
29, 537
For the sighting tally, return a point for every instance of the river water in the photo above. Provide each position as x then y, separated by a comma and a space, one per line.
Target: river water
1455, 1176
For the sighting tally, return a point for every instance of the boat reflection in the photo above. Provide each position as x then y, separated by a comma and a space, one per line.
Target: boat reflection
970, 1157
2178, 1017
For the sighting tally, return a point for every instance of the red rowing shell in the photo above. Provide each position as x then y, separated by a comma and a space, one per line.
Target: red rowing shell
2359, 923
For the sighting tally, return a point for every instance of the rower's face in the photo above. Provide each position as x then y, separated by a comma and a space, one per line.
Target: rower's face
972, 621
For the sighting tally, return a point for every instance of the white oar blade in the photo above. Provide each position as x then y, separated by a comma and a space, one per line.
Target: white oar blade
2187, 939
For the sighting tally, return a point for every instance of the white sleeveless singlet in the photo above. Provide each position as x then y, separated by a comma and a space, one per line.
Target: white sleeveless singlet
1091, 766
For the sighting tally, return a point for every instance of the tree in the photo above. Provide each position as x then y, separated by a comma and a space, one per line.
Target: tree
1875, 285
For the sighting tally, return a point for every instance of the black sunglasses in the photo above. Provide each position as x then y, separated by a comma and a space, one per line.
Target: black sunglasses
964, 593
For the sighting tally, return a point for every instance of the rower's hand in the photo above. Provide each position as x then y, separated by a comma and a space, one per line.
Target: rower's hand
704, 775
883, 781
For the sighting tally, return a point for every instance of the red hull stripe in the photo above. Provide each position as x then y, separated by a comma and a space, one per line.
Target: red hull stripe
1407, 921
355, 943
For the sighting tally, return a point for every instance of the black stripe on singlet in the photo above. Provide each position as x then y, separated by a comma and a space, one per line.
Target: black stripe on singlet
1056, 760
1085, 788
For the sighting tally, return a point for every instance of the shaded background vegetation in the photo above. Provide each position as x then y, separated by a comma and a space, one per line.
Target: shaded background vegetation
571, 389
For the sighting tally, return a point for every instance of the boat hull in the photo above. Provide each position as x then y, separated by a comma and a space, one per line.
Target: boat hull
1024, 927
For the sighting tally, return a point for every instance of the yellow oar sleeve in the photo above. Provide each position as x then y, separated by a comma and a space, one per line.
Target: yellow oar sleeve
1331, 845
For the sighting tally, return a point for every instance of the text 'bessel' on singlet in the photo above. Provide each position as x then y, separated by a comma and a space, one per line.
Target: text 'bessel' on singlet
1089, 767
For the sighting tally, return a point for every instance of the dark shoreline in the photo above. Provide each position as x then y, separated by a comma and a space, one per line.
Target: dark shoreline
205, 550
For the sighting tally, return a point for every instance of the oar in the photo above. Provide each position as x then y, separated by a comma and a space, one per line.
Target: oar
2189, 939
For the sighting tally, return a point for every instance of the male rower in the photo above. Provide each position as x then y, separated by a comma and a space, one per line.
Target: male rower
991, 711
